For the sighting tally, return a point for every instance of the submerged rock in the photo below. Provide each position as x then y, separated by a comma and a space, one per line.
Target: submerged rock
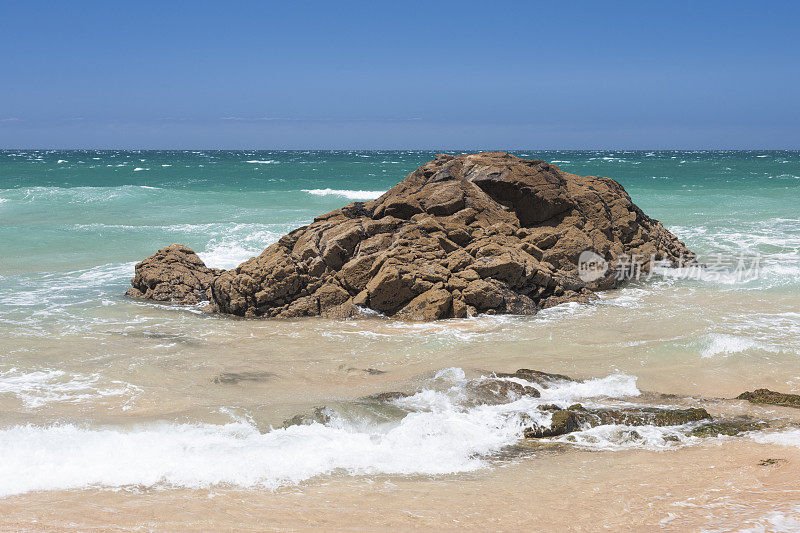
771, 397
319, 415
482, 233
772, 462
383, 397
577, 417
231, 378
544, 379
731, 428
498, 391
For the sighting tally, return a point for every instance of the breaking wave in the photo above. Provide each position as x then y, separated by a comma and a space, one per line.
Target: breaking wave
352, 195
438, 432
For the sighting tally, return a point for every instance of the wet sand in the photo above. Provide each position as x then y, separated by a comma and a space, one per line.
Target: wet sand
713, 487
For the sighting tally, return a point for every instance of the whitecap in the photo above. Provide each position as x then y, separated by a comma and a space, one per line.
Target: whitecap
263, 162
40, 387
237, 243
352, 195
620, 437
718, 343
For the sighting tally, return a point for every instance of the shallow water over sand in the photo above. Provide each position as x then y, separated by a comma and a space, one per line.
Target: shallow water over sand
172, 418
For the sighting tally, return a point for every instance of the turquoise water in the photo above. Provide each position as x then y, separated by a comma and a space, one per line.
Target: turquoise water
72, 223
66, 210
85, 372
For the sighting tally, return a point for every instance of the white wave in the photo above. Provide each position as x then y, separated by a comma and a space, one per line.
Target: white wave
227, 255
613, 386
719, 343
239, 243
77, 195
52, 288
40, 387
789, 437
724, 276
352, 195
627, 297
784, 521
2, 200
440, 434
621, 437
195, 456
264, 162
138, 169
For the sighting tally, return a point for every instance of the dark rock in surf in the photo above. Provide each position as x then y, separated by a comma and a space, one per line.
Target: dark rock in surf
545, 379
766, 396
577, 417
497, 391
319, 415
731, 427
483, 233
385, 397
232, 378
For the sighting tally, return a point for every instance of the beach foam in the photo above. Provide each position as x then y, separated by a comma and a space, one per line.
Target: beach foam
789, 437
38, 388
440, 434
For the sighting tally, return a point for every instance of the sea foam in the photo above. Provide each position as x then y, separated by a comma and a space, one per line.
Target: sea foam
719, 343
352, 195
440, 434
40, 387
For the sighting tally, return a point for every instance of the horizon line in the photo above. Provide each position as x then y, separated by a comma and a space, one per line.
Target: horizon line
442, 150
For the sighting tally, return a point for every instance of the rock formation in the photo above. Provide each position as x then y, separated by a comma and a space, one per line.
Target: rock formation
461, 235
173, 274
767, 396
502, 388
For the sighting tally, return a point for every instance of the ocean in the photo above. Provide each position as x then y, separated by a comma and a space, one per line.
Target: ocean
110, 403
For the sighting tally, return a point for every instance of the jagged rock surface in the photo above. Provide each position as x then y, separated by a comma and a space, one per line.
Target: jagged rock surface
467, 234
173, 274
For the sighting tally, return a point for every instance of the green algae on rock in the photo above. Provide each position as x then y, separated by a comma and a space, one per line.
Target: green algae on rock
767, 396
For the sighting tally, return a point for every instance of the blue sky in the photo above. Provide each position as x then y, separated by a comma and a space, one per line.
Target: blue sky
439, 75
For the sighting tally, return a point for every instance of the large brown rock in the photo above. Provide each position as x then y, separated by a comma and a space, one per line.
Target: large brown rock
173, 274
467, 234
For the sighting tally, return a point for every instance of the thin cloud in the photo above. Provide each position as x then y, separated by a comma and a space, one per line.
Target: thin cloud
321, 119
255, 119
